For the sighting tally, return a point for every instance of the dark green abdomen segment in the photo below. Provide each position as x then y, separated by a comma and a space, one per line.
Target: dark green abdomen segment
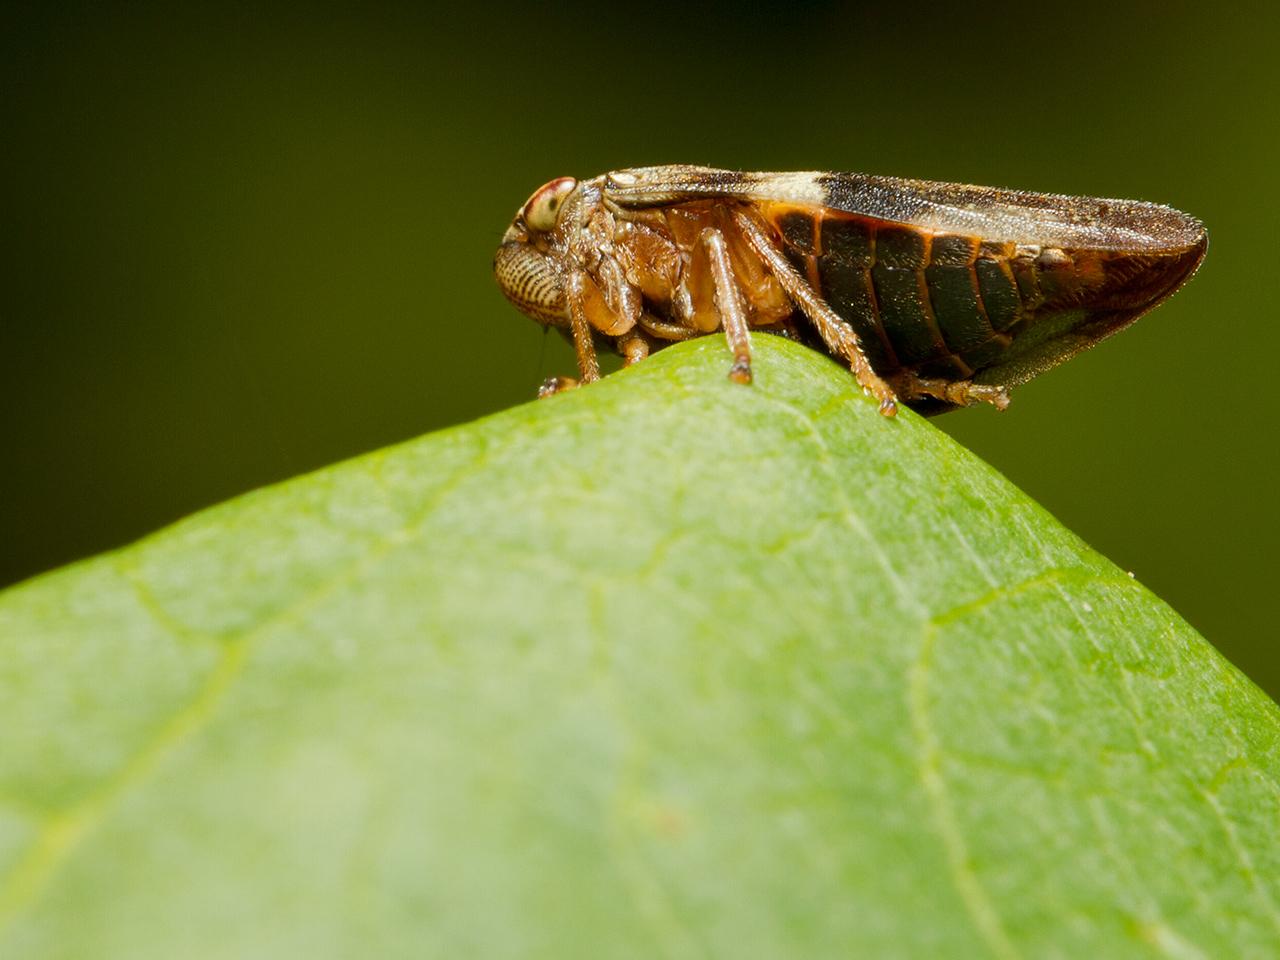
956, 306
845, 273
932, 304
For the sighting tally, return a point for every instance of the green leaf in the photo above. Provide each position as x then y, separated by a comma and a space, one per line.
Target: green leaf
664, 667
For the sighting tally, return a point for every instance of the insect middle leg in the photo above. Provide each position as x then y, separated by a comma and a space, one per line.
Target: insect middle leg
733, 312
839, 337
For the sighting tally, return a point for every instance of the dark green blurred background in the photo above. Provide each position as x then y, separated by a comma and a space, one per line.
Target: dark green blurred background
238, 245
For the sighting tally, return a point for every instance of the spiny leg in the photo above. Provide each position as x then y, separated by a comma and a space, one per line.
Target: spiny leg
839, 337
961, 393
733, 312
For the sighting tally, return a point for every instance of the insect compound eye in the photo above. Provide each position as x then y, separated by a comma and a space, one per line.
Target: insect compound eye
544, 206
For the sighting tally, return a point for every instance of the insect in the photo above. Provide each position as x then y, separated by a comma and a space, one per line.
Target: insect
936, 295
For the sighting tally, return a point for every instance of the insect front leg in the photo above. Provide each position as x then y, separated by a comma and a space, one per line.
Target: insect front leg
733, 312
576, 288
839, 337
553, 385
583, 343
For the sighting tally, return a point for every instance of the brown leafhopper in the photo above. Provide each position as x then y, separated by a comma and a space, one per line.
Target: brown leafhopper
937, 295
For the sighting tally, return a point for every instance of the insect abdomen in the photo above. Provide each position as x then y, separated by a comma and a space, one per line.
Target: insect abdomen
949, 305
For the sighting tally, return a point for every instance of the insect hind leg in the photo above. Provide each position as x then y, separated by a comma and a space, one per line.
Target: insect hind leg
960, 393
836, 333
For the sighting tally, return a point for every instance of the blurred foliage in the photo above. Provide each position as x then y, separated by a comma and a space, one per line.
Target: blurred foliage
593, 678
244, 241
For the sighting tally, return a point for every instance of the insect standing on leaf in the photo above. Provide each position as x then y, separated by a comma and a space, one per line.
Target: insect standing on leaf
937, 295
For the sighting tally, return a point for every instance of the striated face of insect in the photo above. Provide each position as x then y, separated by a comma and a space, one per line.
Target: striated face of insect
530, 264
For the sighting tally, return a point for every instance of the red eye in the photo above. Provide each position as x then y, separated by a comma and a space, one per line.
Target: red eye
544, 206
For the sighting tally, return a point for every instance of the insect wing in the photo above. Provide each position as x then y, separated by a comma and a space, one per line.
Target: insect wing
661, 186
1015, 216
991, 214
951, 281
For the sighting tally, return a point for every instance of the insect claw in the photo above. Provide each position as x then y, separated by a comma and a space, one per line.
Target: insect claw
998, 397
740, 372
889, 407
553, 385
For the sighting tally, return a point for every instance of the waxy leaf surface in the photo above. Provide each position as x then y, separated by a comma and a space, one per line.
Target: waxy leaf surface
664, 667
